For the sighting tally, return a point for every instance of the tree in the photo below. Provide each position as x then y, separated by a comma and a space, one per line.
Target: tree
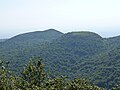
7, 79
33, 74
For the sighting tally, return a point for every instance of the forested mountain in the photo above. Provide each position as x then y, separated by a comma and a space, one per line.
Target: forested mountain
84, 54
47, 35
32, 38
21, 47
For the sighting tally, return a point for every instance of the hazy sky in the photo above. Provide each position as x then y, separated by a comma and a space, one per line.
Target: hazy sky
19, 16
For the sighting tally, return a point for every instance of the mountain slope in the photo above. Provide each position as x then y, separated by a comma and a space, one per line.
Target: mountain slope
38, 35
30, 39
76, 53
19, 48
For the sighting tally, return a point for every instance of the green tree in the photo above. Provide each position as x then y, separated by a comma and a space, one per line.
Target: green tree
7, 79
33, 74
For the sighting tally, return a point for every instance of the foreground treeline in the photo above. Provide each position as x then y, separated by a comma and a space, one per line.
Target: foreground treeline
33, 77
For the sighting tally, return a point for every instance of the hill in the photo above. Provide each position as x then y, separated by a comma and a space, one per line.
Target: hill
28, 40
84, 54
46, 35
20, 47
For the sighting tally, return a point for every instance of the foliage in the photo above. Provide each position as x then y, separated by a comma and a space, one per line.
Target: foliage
34, 78
34, 73
7, 79
84, 54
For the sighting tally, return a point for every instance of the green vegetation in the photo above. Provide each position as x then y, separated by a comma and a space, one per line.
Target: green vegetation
74, 54
33, 77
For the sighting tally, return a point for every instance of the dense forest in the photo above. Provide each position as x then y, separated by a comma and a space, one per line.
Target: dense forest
34, 77
74, 54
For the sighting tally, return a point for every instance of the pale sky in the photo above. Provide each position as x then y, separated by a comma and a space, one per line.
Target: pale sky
20, 16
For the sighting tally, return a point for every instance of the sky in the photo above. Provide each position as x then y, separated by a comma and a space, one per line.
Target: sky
21, 16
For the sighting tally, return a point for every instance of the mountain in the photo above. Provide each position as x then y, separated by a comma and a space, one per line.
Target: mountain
30, 39
84, 54
37, 36
17, 49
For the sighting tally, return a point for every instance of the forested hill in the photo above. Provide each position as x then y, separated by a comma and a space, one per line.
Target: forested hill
37, 36
84, 54
31, 39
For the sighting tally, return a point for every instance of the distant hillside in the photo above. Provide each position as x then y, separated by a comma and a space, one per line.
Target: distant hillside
84, 54
19, 46
30, 39
115, 41
38, 35
34, 37
2, 40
